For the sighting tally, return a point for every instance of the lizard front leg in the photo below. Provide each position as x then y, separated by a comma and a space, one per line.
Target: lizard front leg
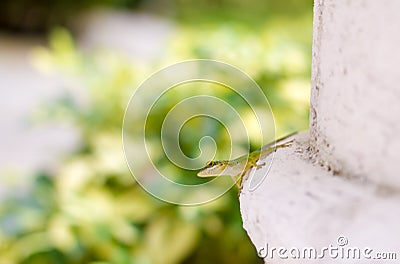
242, 175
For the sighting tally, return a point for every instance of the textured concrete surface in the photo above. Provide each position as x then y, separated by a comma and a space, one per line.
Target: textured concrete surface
299, 204
355, 89
340, 179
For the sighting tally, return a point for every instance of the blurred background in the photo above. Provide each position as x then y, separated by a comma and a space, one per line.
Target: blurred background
67, 71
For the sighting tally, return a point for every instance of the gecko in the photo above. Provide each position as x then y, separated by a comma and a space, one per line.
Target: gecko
239, 167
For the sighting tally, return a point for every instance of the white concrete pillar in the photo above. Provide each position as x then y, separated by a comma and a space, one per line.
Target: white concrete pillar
341, 178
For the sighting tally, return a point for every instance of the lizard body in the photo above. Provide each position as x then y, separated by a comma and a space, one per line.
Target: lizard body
237, 168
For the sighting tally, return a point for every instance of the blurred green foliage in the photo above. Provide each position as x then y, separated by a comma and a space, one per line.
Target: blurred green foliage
91, 210
39, 16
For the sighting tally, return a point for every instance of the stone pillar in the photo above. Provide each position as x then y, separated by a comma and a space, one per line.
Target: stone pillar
339, 181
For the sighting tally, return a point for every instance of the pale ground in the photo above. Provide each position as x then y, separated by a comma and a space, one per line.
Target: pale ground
28, 147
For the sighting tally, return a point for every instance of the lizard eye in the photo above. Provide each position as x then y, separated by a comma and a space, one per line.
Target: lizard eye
210, 163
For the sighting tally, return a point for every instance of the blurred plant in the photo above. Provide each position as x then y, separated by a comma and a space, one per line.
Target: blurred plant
91, 210
39, 16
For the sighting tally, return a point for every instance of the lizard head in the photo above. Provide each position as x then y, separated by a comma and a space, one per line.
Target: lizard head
212, 168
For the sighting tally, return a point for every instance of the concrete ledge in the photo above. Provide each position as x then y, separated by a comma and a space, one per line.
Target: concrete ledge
341, 178
300, 204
